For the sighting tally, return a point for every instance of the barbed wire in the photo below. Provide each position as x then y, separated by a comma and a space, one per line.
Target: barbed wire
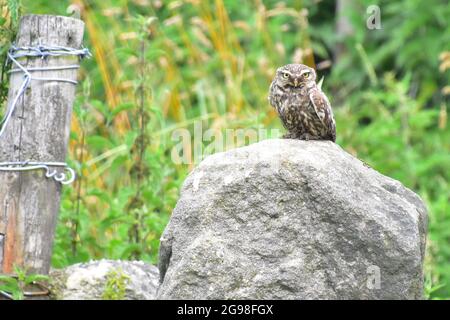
40, 51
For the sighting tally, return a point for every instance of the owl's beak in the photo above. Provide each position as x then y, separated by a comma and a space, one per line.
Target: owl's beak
295, 82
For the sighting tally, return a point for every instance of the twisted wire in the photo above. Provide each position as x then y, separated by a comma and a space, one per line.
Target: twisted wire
43, 52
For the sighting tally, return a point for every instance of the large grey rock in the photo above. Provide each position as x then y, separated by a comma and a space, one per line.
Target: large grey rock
105, 279
287, 219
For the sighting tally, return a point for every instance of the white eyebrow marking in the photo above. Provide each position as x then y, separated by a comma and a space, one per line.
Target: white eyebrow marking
304, 71
285, 71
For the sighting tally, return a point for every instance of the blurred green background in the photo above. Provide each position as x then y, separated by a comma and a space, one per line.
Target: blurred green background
163, 65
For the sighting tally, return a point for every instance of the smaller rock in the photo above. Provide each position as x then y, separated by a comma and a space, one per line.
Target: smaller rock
105, 279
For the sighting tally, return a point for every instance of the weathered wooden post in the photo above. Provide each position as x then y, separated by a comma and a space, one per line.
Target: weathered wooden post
38, 132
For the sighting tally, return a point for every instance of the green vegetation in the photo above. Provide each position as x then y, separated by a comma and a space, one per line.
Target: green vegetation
9, 20
16, 286
116, 285
212, 62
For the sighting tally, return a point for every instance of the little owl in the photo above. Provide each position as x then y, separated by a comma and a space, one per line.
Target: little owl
303, 108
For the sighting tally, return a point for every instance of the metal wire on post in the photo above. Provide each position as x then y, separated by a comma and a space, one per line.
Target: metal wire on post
43, 52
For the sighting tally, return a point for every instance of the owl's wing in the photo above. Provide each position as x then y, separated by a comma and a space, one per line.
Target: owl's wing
272, 96
323, 110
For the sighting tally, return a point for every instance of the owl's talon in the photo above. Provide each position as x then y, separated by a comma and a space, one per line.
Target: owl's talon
306, 137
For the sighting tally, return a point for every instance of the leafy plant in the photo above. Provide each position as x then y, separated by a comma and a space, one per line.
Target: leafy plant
9, 19
116, 285
16, 285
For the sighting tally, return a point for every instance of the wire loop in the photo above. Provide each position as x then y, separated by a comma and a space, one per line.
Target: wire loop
40, 51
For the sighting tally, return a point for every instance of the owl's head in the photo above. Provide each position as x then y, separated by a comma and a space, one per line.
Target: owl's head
296, 75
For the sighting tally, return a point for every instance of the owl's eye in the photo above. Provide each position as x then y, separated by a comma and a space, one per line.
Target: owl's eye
285, 75
306, 75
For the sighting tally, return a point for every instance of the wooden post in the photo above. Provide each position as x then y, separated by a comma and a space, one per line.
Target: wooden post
38, 131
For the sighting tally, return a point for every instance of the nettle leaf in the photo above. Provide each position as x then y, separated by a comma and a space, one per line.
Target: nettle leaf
130, 249
423, 118
35, 278
99, 142
122, 107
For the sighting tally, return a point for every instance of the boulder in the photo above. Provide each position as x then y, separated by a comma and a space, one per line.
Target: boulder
290, 219
105, 279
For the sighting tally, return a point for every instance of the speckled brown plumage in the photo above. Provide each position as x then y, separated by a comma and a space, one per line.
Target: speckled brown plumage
303, 108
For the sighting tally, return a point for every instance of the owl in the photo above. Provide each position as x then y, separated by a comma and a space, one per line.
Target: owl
301, 105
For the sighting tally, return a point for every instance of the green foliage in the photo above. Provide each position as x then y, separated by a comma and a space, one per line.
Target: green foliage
9, 20
116, 285
16, 285
212, 62
430, 289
